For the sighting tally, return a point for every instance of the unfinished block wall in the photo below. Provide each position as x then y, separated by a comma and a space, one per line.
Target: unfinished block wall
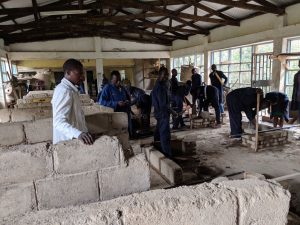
44, 176
227, 203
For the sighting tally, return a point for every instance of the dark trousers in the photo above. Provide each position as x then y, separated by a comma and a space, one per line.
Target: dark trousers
177, 106
162, 134
144, 103
221, 102
215, 104
298, 111
235, 115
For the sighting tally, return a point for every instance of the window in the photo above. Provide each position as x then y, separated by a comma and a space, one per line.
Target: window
236, 63
196, 60
4, 71
123, 74
293, 46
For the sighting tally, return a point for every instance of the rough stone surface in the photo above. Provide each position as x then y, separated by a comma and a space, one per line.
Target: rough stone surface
24, 163
171, 171
39, 131
11, 134
74, 156
4, 115
226, 203
67, 190
22, 115
118, 181
16, 199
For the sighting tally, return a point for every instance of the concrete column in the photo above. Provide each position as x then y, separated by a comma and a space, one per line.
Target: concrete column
99, 61
206, 66
279, 46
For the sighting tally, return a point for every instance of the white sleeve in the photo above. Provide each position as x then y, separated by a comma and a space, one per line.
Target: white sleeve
62, 106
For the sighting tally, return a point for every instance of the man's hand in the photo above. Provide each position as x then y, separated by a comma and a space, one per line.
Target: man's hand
121, 103
259, 91
87, 138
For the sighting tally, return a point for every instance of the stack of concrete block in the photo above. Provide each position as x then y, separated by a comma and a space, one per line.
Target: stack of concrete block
36, 99
166, 167
267, 139
184, 146
42, 176
205, 120
225, 203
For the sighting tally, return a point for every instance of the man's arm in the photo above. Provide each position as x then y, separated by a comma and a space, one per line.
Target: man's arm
62, 104
224, 77
106, 100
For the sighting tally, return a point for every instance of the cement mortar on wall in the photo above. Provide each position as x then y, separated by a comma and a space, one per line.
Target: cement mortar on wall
226, 203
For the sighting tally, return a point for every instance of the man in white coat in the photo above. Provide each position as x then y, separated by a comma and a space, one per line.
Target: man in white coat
68, 117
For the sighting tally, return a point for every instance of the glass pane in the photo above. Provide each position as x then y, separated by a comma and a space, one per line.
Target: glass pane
198, 60
225, 56
186, 60
223, 68
235, 55
216, 58
289, 91
289, 77
192, 59
3, 66
233, 77
234, 67
246, 78
176, 62
295, 45
246, 67
293, 64
180, 61
264, 48
246, 54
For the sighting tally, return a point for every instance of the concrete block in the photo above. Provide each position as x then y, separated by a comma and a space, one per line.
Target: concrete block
17, 199
119, 181
25, 163
5, 115
43, 113
67, 190
124, 140
74, 156
224, 203
11, 134
119, 120
98, 123
155, 157
22, 115
171, 171
146, 151
39, 131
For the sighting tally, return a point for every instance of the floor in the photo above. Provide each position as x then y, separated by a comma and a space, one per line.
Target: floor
216, 152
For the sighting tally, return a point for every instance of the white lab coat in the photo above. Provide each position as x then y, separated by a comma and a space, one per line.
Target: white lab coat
68, 116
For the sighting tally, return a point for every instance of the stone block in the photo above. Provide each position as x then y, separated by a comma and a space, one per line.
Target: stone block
119, 120
39, 131
22, 115
74, 156
124, 140
11, 134
62, 191
5, 115
125, 180
17, 199
155, 157
147, 151
25, 163
98, 123
171, 171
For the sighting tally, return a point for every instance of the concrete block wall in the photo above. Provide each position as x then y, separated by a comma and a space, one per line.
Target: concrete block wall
269, 139
167, 168
42, 130
69, 173
238, 202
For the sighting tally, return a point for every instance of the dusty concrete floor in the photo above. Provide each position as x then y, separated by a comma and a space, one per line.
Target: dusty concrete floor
213, 152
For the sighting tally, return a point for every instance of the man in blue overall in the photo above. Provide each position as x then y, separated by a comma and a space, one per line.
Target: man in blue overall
216, 79
161, 103
242, 99
196, 83
115, 96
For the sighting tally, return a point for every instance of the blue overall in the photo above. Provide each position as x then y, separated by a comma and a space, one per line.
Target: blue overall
238, 100
110, 97
177, 104
216, 83
196, 83
210, 95
281, 108
161, 103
